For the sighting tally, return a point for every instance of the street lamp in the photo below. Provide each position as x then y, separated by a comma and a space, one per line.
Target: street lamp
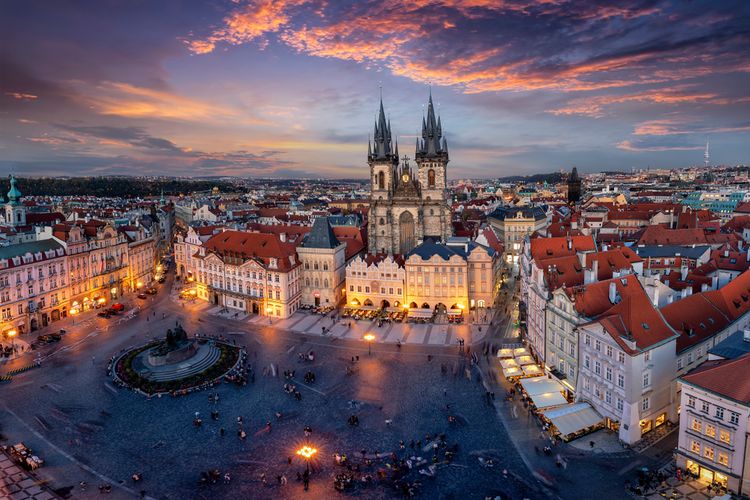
307, 452
12, 334
369, 337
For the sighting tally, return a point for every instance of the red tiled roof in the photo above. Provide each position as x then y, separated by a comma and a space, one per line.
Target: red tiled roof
635, 318
353, 237
593, 299
726, 377
695, 318
733, 298
545, 248
258, 246
658, 235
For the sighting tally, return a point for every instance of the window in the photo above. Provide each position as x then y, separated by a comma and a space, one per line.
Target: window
704, 406
431, 178
724, 459
696, 425
695, 447
609, 351
587, 339
586, 361
647, 356
597, 368
708, 452
608, 397
711, 430
621, 357
679, 363
645, 403
620, 380
734, 418
646, 379
691, 401
609, 373
598, 345
720, 413
619, 404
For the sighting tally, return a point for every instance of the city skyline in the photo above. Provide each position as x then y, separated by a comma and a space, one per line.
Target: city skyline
291, 88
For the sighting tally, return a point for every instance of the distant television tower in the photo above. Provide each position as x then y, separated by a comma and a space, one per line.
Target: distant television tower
706, 155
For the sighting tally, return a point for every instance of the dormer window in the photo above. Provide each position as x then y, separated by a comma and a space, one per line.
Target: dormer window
274, 263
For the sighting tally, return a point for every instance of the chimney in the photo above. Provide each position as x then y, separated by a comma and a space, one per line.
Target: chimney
670, 298
570, 244
704, 287
605, 247
726, 252
656, 296
689, 291
612, 292
684, 292
714, 283
282, 237
683, 272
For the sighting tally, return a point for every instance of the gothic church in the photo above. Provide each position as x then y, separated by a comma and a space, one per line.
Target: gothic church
406, 209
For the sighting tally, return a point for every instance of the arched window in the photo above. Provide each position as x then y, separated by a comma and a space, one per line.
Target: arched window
381, 180
317, 283
315, 266
382, 221
432, 211
325, 283
307, 281
325, 266
431, 178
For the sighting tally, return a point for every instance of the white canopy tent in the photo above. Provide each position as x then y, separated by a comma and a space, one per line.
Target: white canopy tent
573, 418
547, 399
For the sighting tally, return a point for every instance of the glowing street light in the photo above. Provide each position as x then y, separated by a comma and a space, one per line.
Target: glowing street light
307, 452
369, 337
12, 334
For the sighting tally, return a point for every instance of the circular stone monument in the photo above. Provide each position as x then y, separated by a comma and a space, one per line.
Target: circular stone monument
176, 363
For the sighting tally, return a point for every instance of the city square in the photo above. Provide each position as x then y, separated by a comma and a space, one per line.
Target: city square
444, 249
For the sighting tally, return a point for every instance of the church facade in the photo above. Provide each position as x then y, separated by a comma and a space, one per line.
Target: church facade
408, 207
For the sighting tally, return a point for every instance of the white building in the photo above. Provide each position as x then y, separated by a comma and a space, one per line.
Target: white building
715, 405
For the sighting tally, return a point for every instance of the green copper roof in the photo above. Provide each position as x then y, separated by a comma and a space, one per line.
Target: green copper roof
14, 194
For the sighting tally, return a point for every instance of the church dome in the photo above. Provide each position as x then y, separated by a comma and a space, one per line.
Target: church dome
14, 195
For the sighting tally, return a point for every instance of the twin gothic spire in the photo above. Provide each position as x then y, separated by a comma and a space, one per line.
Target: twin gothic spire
432, 144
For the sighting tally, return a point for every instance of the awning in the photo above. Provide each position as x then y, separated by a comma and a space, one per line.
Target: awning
547, 399
573, 418
455, 312
420, 313
512, 371
540, 385
507, 363
505, 353
521, 351
532, 370
525, 360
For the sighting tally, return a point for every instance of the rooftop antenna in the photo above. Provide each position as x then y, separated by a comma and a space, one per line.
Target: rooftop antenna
706, 155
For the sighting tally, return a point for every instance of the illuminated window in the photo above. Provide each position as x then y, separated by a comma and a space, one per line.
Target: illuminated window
711, 430
724, 436
695, 447
696, 425
724, 459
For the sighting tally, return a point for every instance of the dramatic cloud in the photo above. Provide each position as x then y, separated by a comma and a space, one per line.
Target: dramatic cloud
290, 87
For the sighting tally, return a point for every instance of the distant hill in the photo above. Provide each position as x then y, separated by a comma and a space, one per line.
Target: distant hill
126, 187
552, 178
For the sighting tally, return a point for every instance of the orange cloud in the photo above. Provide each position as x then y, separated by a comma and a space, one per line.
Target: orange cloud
629, 146
595, 106
247, 24
678, 127
131, 101
22, 96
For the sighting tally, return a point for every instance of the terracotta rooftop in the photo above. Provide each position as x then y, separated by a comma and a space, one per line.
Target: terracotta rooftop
258, 246
658, 235
545, 248
727, 378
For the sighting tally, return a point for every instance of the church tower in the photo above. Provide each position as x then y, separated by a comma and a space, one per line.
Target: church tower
405, 209
15, 212
431, 156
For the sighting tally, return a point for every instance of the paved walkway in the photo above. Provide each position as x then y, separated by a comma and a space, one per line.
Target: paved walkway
389, 333
18, 484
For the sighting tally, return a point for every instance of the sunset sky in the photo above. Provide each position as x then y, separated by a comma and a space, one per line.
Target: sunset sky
291, 87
